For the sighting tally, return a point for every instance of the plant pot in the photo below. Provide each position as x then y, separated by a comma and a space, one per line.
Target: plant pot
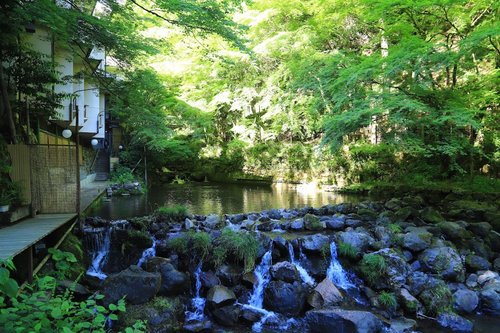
4, 208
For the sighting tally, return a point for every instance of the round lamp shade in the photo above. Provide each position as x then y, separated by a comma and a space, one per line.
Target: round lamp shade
120, 147
66, 133
94, 142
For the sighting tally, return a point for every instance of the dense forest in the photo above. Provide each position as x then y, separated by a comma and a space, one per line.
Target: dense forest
324, 91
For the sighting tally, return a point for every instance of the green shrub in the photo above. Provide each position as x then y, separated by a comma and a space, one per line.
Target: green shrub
242, 247
193, 244
348, 251
173, 213
387, 300
373, 267
394, 228
139, 239
122, 175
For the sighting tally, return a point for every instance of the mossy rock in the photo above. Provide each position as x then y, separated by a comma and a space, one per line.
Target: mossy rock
140, 223
312, 222
431, 215
403, 214
139, 239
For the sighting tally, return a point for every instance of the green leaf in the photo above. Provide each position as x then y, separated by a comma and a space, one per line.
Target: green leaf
11, 287
112, 307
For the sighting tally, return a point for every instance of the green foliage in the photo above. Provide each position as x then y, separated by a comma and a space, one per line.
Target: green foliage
236, 246
64, 263
373, 267
192, 244
387, 300
394, 228
122, 175
348, 251
175, 213
139, 239
8, 286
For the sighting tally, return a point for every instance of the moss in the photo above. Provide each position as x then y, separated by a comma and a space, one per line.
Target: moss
192, 244
241, 247
437, 299
394, 228
312, 222
139, 239
373, 267
387, 300
140, 223
348, 251
172, 213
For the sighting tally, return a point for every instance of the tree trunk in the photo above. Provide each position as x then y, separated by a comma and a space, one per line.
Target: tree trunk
6, 106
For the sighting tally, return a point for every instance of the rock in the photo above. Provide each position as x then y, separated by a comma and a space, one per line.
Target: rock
403, 325
173, 282
198, 326
315, 243
476, 263
431, 215
251, 314
249, 279
248, 224
417, 239
490, 298
436, 296
153, 264
227, 315
212, 221
266, 226
396, 271
361, 240
454, 322
408, 302
417, 282
481, 229
393, 204
345, 321
444, 261
465, 300
229, 275
453, 231
496, 264
77, 289
403, 214
297, 225
312, 222
285, 298
188, 224
325, 294
209, 279
335, 223
471, 281
285, 271
237, 218
219, 296
353, 223
136, 285
486, 276
280, 244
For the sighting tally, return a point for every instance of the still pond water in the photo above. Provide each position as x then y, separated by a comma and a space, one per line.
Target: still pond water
218, 198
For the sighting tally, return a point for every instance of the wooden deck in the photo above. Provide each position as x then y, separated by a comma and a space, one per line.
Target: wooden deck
17, 238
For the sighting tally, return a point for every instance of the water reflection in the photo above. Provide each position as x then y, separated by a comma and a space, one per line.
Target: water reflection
218, 198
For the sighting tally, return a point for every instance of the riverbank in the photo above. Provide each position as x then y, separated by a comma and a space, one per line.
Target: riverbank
366, 267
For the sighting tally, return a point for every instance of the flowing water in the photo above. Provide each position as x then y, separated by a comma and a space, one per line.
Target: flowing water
304, 275
148, 253
97, 242
198, 302
336, 272
219, 198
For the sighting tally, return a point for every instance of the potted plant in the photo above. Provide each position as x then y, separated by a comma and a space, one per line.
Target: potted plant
6, 197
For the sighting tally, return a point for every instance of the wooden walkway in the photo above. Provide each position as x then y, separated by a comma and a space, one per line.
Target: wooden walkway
17, 238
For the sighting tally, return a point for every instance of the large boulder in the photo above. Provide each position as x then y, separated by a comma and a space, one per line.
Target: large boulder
133, 283
227, 315
396, 269
312, 222
285, 298
229, 275
345, 321
453, 231
443, 261
417, 239
212, 221
315, 243
173, 282
454, 322
408, 302
297, 225
490, 297
335, 222
325, 294
219, 296
285, 271
476, 263
431, 215
358, 239
465, 300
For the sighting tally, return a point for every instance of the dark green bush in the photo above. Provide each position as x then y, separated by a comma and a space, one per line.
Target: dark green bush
242, 247
373, 267
172, 213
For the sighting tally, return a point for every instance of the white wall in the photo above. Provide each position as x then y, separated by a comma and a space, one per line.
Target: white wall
91, 106
64, 65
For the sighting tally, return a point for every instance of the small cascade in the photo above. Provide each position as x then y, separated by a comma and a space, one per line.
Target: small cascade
97, 242
308, 279
198, 302
148, 253
263, 278
336, 272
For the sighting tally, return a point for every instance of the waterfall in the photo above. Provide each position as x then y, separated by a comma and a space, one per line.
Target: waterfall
336, 272
198, 302
97, 242
148, 253
263, 278
308, 279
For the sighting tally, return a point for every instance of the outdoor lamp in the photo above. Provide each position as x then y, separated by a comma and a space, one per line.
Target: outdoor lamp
94, 142
66, 133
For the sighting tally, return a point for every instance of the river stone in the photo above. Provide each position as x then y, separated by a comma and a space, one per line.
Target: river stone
285, 298
345, 321
359, 239
486, 276
219, 296
408, 302
229, 275
481, 229
212, 221
325, 294
403, 214
417, 239
173, 282
454, 322
249, 279
312, 222
453, 231
209, 279
417, 282
297, 225
444, 261
403, 325
490, 297
476, 263
396, 272
465, 300
496, 264
198, 326
227, 315
251, 314
137, 285
431, 215
315, 243
335, 222
285, 271
248, 224
188, 224
393, 204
